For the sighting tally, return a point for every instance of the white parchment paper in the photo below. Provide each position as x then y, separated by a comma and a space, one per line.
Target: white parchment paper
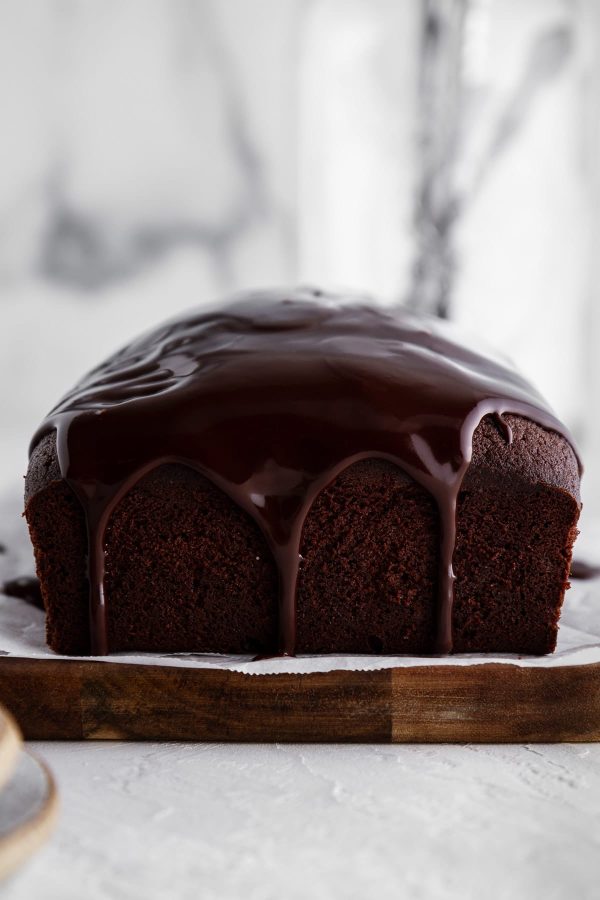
22, 629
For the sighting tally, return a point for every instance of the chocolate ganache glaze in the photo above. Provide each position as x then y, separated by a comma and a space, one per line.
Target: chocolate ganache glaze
270, 398
26, 587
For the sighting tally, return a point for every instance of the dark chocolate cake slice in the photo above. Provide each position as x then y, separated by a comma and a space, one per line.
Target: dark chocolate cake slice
301, 473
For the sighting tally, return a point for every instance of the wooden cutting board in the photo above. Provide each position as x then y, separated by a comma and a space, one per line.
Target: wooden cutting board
71, 700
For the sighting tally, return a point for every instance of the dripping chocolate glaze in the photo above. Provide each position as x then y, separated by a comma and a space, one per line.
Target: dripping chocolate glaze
271, 397
583, 570
26, 587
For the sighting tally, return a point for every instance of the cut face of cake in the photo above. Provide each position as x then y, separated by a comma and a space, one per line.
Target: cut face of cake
301, 473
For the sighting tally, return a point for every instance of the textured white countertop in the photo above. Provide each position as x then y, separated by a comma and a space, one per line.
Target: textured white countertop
291, 821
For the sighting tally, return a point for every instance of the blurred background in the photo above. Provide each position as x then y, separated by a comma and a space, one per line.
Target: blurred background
158, 154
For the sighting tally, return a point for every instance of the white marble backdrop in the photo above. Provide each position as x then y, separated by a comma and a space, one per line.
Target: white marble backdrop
157, 153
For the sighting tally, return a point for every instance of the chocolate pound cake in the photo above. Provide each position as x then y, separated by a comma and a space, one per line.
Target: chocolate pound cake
301, 473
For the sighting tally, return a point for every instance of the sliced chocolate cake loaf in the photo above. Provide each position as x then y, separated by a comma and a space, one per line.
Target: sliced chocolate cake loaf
302, 473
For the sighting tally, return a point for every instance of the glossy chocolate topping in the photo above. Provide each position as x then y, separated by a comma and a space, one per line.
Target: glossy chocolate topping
26, 587
270, 398
582, 570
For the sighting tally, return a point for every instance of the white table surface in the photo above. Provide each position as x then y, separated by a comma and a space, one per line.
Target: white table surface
297, 821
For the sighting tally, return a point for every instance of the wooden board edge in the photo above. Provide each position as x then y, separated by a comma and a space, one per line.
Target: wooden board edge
220, 705
484, 703
44, 696
496, 703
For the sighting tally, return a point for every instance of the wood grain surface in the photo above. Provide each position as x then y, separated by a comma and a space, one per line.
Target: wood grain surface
71, 700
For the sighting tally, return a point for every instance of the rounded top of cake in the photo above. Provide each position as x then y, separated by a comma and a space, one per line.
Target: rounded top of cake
270, 359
